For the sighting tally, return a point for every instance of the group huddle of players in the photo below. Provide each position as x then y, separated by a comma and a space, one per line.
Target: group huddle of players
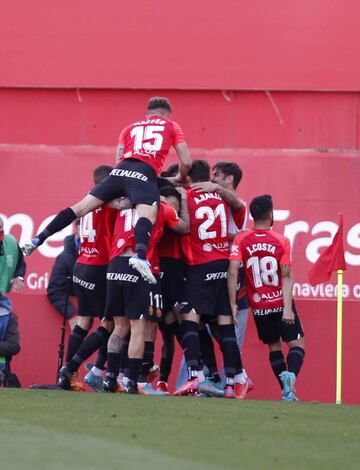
169, 253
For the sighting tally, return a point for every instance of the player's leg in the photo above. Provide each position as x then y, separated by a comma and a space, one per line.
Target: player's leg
91, 294
117, 342
240, 331
170, 329
148, 370
143, 228
77, 335
293, 335
191, 345
62, 220
236, 385
277, 361
207, 354
135, 353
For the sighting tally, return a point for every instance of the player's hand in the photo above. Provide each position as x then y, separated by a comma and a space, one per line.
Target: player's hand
178, 179
17, 283
204, 187
234, 312
288, 316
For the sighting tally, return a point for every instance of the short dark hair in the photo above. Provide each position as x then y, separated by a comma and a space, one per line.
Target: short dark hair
101, 172
230, 169
159, 102
171, 170
161, 182
261, 207
199, 171
170, 191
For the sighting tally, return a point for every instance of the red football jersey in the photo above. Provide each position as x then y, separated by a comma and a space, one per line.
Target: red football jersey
237, 220
262, 253
170, 245
124, 232
167, 217
209, 220
96, 231
150, 140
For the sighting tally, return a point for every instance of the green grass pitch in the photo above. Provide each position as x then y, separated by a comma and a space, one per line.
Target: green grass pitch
63, 430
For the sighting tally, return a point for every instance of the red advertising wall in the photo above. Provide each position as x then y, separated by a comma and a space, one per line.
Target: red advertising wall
309, 189
199, 45
245, 79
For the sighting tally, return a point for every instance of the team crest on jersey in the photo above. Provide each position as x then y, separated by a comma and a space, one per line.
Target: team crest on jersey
256, 298
120, 242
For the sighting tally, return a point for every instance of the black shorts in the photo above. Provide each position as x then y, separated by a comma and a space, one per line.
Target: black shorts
205, 289
271, 328
128, 295
90, 289
131, 178
172, 281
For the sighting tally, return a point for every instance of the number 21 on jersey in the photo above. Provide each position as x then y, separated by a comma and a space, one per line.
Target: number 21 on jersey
210, 215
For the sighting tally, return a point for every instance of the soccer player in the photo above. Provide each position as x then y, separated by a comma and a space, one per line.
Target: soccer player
89, 280
143, 147
266, 258
131, 303
172, 268
226, 177
206, 252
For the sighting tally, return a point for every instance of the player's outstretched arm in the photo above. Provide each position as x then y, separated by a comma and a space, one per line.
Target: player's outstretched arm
183, 153
184, 222
227, 194
232, 275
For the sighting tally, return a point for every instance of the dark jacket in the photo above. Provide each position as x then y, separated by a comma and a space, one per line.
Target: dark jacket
10, 345
61, 271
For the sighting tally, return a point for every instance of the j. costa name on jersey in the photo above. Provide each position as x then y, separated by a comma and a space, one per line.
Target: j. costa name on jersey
261, 247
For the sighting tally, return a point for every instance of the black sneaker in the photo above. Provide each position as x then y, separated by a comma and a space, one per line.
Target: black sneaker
64, 379
109, 385
131, 387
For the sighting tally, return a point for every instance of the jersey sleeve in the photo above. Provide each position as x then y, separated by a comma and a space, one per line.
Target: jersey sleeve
122, 137
170, 216
179, 137
285, 259
240, 217
235, 253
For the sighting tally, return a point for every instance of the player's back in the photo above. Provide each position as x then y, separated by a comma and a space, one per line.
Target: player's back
208, 237
96, 230
262, 252
124, 231
150, 140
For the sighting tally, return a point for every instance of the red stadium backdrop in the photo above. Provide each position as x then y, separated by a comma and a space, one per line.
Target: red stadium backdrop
309, 191
245, 78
